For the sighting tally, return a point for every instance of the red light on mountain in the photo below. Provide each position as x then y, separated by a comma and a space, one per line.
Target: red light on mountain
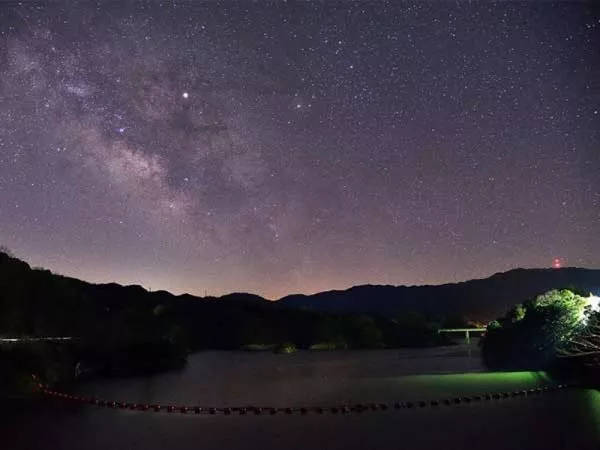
556, 263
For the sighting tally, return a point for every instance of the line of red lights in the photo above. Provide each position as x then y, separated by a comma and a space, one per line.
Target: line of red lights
344, 409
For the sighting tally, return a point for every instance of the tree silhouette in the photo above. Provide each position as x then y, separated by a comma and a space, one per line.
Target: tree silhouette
585, 345
529, 336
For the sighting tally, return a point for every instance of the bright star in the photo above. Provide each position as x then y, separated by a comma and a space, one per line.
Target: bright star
185, 95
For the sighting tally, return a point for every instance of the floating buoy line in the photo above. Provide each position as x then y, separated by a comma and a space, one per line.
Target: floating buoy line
269, 410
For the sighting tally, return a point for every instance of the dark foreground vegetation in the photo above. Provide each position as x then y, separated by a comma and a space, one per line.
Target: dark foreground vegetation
130, 331
557, 331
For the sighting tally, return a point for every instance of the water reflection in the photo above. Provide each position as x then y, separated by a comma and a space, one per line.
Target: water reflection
304, 378
592, 413
563, 419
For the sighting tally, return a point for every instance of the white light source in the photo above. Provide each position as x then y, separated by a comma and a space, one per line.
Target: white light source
593, 302
185, 95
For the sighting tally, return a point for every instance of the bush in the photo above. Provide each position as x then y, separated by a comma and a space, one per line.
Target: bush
362, 333
528, 336
286, 348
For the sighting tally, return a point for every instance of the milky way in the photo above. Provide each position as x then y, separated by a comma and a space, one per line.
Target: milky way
297, 147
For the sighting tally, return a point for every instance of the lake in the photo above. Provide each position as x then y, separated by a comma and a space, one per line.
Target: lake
568, 418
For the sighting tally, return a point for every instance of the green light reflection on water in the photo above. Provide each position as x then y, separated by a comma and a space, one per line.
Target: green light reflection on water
592, 397
472, 383
488, 378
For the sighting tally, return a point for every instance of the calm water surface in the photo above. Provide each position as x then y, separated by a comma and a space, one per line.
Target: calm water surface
564, 419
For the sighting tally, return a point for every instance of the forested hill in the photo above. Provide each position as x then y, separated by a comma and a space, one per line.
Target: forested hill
479, 300
119, 320
38, 302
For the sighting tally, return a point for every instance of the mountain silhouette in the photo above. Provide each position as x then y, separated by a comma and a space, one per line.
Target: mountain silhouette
35, 295
480, 300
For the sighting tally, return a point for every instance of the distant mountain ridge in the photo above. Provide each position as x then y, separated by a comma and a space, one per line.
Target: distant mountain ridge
480, 299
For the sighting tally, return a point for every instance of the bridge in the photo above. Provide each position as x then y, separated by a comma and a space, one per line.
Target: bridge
467, 331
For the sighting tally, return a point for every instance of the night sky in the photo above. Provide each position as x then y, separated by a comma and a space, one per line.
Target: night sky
278, 148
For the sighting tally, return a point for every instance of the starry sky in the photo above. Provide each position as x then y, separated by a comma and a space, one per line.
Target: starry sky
294, 147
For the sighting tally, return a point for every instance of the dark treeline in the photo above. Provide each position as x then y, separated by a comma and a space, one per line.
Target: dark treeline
558, 331
130, 330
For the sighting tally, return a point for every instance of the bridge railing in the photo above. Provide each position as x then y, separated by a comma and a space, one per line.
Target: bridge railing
467, 331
